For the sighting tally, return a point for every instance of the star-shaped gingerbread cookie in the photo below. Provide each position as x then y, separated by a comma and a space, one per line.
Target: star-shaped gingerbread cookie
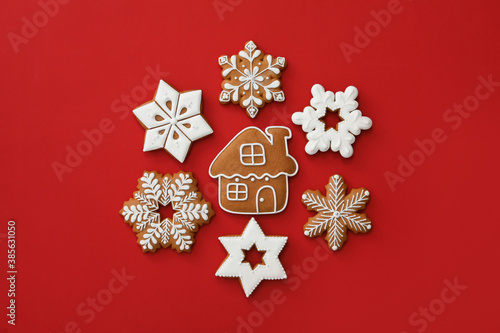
173, 120
235, 266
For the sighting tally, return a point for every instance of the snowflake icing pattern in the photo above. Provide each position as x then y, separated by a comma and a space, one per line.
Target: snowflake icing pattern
336, 212
178, 190
336, 139
251, 79
173, 120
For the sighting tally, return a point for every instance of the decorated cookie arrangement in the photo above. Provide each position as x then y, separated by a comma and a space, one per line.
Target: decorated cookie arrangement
252, 170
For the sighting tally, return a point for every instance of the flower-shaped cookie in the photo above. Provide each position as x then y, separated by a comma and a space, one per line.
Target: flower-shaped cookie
340, 138
173, 120
251, 79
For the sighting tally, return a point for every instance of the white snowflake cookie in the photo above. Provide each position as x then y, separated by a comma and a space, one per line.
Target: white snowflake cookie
190, 211
173, 120
251, 79
340, 138
235, 266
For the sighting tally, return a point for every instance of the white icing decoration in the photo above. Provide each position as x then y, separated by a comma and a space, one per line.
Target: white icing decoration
252, 176
222, 60
257, 152
189, 126
234, 267
179, 147
273, 191
250, 46
252, 80
234, 191
340, 139
155, 140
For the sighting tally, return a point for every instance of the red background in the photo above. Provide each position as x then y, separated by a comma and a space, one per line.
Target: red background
440, 223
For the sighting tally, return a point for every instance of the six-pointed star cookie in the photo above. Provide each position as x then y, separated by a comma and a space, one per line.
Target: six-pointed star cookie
234, 265
173, 120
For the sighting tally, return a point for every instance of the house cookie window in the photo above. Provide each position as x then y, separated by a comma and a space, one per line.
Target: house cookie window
252, 154
237, 192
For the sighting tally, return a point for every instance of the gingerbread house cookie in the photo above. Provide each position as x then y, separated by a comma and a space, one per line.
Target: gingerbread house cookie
253, 171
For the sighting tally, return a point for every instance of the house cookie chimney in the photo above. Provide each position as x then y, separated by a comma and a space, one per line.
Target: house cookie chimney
278, 136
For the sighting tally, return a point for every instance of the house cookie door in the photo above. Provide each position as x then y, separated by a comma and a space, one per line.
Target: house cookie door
266, 200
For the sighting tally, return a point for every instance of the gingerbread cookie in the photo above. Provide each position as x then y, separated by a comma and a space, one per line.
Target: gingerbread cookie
336, 212
173, 120
234, 265
253, 171
251, 79
190, 211
340, 138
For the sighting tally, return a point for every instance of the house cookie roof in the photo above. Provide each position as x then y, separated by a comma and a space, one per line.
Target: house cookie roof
278, 161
